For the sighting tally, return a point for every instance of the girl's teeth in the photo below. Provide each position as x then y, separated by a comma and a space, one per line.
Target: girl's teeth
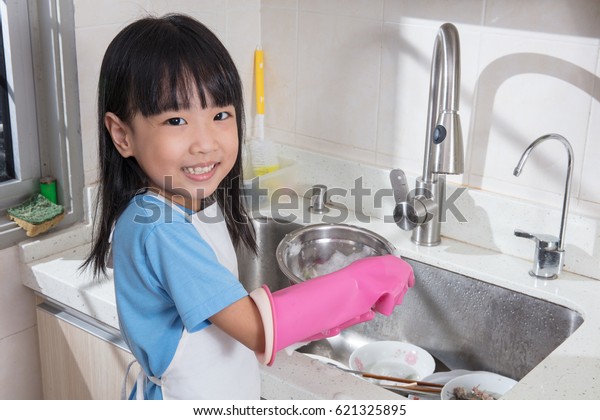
199, 170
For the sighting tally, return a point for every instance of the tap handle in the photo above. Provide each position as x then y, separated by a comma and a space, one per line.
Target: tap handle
547, 258
399, 185
523, 234
402, 207
542, 240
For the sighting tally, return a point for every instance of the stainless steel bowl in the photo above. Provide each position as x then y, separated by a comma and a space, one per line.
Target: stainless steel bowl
317, 250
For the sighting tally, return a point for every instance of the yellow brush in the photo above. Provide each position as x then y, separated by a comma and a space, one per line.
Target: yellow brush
264, 158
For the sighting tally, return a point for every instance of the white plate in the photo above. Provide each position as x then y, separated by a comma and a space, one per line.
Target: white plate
490, 383
393, 358
443, 377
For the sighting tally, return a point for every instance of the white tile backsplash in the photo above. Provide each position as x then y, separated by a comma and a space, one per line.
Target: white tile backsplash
457, 11
567, 17
279, 4
108, 12
364, 9
281, 69
334, 105
88, 66
242, 40
590, 190
530, 86
518, 82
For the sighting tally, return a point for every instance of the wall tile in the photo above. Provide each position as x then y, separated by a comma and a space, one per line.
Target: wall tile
406, 63
338, 78
20, 371
204, 10
88, 63
209, 12
567, 17
455, 11
346, 152
366, 9
279, 4
110, 12
93, 13
17, 303
279, 41
253, 5
243, 36
591, 168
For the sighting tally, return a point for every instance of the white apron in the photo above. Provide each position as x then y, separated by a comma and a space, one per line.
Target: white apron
209, 364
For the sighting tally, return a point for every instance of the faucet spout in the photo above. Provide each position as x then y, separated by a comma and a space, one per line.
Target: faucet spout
443, 137
549, 253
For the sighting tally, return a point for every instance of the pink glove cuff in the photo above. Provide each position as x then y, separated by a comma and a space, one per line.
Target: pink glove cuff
264, 302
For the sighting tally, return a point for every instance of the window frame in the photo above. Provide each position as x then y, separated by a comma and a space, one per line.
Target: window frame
41, 66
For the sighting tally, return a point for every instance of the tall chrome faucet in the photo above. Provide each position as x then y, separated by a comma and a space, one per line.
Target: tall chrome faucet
549, 250
422, 209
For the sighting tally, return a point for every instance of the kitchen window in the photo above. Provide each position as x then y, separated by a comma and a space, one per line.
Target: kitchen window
39, 109
7, 164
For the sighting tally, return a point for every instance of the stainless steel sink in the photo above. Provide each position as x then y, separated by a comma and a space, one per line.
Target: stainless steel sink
263, 269
463, 322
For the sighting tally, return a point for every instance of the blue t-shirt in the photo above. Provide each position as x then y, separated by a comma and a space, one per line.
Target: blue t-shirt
166, 278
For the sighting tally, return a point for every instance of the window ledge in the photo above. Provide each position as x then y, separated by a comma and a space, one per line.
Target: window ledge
58, 241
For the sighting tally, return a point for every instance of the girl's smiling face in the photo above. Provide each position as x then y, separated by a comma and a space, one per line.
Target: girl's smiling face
185, 154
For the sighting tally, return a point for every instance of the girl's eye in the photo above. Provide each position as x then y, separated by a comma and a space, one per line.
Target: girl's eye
176, 121
222, 116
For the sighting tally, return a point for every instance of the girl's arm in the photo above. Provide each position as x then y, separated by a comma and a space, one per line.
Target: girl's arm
242, 321
317, 308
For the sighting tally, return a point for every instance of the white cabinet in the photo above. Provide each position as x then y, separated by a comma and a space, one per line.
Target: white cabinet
80, 358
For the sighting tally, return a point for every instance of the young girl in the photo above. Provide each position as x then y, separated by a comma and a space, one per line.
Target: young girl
170, 125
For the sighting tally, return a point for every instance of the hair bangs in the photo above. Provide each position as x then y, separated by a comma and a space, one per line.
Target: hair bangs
179, 67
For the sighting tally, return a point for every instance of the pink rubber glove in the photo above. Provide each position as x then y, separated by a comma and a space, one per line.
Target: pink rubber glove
324, 306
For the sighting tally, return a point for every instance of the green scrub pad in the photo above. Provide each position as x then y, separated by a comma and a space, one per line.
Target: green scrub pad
36, 215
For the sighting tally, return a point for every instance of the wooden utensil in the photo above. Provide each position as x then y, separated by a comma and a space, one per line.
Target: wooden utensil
409, 382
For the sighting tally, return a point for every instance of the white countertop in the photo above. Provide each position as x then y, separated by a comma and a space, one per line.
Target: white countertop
572, 371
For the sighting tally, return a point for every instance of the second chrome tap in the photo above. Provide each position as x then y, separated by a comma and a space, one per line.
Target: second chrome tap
549, 253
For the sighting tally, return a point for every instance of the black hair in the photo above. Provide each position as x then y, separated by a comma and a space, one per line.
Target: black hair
153, 65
